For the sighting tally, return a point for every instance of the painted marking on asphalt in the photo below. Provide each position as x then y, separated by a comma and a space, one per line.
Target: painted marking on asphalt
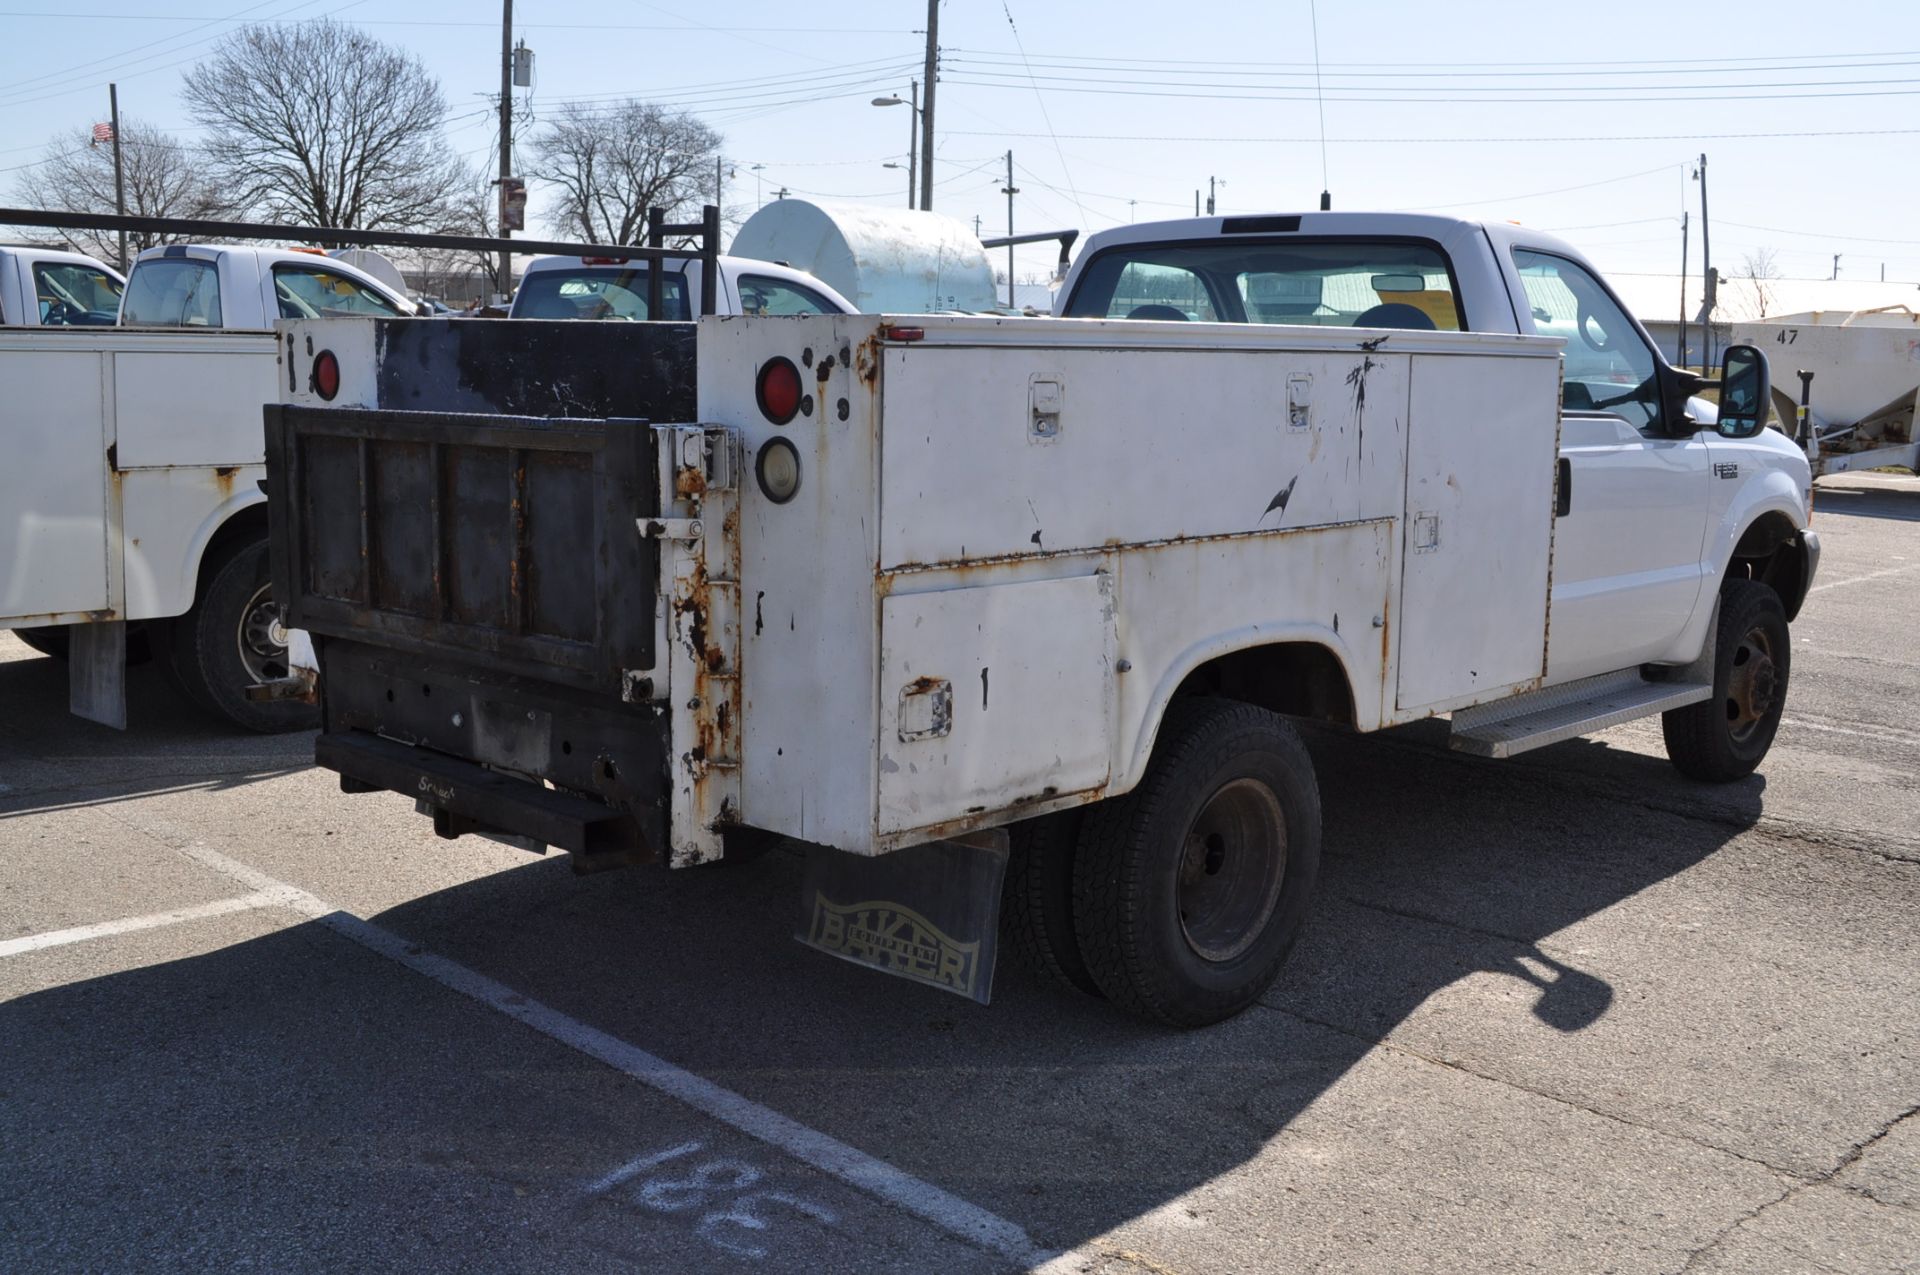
633, 1168
736, 1214
134, 924
875, 1177
1885, 736
1871, 575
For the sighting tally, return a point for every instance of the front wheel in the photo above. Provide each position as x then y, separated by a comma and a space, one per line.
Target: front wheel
1724, 738
232, 639
1190, 890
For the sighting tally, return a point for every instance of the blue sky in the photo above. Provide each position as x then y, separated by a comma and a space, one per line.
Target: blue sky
1576, 117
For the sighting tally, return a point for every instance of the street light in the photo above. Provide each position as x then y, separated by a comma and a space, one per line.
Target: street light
758, 198
909, 171
913, 132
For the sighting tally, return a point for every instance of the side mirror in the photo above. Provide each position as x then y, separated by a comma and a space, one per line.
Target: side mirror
1746, 391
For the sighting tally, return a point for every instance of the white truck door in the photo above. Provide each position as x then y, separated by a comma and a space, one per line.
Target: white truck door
53, 486
1626, 565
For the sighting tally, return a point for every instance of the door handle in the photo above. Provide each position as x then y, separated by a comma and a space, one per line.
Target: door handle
1563, 490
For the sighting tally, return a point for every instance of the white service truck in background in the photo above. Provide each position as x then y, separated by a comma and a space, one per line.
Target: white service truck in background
52, 288
130, 493
918, 591
609, 287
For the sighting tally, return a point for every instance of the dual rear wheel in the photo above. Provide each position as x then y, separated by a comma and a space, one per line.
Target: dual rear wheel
1180, 900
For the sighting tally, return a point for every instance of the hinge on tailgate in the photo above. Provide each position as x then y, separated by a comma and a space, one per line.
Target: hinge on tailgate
671, 528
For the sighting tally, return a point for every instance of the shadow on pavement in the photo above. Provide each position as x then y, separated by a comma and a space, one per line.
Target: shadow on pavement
1891, 503
1045, 1107
169, 744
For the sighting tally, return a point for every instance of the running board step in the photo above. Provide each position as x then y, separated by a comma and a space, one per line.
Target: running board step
1539, 718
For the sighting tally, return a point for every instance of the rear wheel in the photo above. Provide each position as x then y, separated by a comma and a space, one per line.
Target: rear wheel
232, 639
1036, 906
1725, 737
1190, 890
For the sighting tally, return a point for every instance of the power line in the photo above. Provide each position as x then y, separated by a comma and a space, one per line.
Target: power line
1280, 96
1432, 141
1445, 67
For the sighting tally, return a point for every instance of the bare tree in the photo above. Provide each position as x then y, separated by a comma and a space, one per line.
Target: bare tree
319, 123
1758, 270
611, 164
164, 178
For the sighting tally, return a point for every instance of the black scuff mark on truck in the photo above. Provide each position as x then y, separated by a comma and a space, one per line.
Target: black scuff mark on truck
1280, 499
1336, 622
759, 616
983, 689
1358, 379
1374, 344
1035, 539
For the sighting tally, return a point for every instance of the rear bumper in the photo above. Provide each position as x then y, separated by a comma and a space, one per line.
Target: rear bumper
493, 752
466, 797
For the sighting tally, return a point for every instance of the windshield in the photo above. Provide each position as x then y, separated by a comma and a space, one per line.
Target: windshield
172, 292
310, 292
1321, 283
598, 292
74, 295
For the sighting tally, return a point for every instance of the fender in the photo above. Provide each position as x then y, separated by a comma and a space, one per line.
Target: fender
1770, 491
1131, 763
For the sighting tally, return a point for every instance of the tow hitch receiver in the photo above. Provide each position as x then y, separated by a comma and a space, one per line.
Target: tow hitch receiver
930, 913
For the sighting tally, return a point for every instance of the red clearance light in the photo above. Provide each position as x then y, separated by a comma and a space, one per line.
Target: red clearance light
778, 390
903, 334
326, 375
604, 261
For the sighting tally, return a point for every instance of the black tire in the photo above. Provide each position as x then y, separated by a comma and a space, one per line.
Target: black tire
221, 646
1036, 904
1724, 738
1165, 929
50, 640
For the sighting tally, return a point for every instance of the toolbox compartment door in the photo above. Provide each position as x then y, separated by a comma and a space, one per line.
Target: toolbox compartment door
1483, 438
991, 697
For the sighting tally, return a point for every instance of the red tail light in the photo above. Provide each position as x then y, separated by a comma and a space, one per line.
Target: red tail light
326, 375
778, 390
903, 334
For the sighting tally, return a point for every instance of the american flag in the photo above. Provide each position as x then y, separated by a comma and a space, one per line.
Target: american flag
103, 132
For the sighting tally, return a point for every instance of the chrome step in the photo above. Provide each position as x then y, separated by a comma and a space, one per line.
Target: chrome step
1544, 717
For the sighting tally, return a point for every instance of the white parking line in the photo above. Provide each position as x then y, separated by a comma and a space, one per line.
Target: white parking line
132, 924
856, 1168
1871, 575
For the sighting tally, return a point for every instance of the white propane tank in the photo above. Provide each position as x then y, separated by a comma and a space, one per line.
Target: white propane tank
884, 260
377, 264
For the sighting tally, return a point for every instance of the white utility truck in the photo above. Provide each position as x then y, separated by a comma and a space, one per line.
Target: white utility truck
130, 493
53, 288
890, 585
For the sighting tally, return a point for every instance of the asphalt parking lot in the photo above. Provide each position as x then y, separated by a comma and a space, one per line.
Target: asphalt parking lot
1564, 1013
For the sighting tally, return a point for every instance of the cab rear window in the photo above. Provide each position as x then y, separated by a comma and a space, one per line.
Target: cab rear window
1318, 283
172, 292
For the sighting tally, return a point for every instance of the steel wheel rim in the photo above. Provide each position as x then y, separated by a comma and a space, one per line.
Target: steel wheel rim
261, 639
1753, 685
1232, 863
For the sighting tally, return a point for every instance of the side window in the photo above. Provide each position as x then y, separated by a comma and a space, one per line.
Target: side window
1609, 368
1147, 290
75, 295
173, 292
307, 292
761, 295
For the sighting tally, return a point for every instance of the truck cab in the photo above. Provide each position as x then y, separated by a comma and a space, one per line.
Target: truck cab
617, 288
45, 287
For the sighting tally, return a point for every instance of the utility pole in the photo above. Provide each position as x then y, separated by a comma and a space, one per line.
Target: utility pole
913, 137
1709, 295
976, 225
1010, 190
119, 173
1680, 352
504, 284
1836, 265
926, 116
719, 181
1209, 196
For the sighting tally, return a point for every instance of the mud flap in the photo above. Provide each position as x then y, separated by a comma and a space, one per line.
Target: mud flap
930, 913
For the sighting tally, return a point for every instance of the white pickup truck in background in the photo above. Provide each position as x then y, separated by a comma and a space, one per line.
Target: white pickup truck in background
49, 287
130, 493
616, 288
887, 585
